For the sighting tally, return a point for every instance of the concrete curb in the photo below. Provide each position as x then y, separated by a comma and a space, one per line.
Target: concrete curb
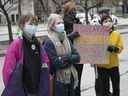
124, 33
2, 53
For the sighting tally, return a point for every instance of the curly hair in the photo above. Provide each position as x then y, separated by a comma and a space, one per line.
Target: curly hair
104, 18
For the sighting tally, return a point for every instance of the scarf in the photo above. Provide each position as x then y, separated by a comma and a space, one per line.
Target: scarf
31, 64
62, 48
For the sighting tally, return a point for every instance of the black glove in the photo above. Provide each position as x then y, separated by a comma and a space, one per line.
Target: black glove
77, 21
112, 48
66, 58
73, 35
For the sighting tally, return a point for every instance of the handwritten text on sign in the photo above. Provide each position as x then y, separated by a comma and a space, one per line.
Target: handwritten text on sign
92, 43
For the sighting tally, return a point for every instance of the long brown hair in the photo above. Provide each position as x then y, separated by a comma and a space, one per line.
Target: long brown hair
69, 6
25, 18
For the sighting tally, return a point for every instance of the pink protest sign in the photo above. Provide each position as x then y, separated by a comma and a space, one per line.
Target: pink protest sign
92, 43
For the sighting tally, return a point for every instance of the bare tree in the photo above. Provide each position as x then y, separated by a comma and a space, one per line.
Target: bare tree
45, 7
4, 10
58, 4
19, 7
87, 7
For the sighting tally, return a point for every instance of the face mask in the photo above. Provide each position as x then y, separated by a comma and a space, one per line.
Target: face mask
73, 13
59, 28
108, 24
32, 29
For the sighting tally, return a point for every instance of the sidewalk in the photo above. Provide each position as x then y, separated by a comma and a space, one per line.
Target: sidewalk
122, 21
88, 81
3, 48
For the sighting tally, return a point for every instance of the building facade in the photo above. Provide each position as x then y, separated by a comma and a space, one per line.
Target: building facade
35, 7
28, 6
12, 10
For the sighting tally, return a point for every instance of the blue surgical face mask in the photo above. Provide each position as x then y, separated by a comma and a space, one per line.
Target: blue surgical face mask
72, 13
32, 29
59, 28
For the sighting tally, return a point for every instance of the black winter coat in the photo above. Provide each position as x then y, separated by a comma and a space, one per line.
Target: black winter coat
69, 20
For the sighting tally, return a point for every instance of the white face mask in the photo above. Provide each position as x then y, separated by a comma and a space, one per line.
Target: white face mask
32, 29
108, 24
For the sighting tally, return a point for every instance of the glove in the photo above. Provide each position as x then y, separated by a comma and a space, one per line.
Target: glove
66, 58
112, 48
73, 35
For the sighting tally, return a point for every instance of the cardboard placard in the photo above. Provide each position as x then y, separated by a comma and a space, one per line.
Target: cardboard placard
92, 43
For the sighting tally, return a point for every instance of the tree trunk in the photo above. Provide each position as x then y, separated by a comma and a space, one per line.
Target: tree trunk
9, 26
86, 11
19, 8
9, 30
43, 6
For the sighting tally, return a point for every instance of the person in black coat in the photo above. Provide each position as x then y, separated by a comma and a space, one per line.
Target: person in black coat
69, 20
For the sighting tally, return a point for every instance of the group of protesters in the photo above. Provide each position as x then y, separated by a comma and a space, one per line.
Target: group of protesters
50, 67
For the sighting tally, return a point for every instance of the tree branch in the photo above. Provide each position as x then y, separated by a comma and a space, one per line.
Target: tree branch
5, 2
42, 3
58, 6
0, 3
98, 4
9, 7
1, 11
56, 2
1, 6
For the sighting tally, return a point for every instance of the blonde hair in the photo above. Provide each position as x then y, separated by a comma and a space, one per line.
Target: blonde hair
69, 6
52, 18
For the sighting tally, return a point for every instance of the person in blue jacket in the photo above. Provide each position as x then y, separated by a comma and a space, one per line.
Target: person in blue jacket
62, 57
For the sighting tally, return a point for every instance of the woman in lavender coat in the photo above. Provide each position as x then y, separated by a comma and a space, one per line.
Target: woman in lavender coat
26, 69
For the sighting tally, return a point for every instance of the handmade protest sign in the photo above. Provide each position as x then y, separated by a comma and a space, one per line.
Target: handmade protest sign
92, 43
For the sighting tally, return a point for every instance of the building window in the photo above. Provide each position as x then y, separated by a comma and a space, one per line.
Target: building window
17, 17
11, 1
0, 19
13, 18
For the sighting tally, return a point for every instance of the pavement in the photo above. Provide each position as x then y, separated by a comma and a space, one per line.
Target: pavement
88, 76
1, 79
3, 48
